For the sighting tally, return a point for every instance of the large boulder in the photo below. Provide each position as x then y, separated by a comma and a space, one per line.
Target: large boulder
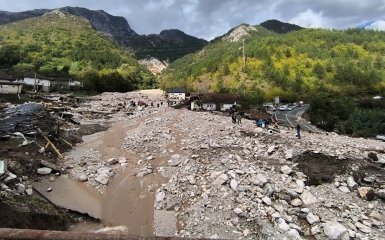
160, 196
289, 154
311, 218
102, 178
286, 170
44, 171
175, 160
308, 198
283, 225
296, 202
112, 161
351, 183
103, 175
366, 193
221, 179
381, 194
258, 180
335, 231
233, 185
82, 177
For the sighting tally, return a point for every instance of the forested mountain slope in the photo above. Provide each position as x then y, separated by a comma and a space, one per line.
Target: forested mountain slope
288, 65
58, 44
337, 68
167, 45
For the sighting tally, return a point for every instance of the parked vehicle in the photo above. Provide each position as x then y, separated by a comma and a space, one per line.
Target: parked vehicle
289, 108
282, 108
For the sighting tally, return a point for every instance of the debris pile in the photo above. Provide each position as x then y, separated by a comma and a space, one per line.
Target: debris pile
90, 166
35, 136
238, 181
227, 180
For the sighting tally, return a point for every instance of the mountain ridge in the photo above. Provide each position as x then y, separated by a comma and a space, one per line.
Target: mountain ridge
119, 29
62, 45
242, 31
280, 27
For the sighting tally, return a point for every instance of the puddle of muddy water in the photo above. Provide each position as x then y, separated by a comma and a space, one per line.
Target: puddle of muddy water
70, 194
128, 202
127, 199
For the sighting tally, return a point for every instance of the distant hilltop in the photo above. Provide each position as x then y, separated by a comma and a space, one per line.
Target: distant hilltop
169, 44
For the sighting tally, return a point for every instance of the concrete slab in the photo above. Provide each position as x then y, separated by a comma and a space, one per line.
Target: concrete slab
70, 194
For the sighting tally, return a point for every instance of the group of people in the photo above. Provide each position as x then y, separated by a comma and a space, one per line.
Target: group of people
157, 104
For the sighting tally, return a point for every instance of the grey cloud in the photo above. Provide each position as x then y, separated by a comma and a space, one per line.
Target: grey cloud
210, 18
336, 13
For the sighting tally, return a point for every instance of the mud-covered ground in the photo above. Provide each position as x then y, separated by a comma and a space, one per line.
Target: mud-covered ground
167, 172
24, 150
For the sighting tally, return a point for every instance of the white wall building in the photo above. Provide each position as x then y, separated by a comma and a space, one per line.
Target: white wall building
74, 83
217, 101
10, 88
40, 84
209, 106
176, 94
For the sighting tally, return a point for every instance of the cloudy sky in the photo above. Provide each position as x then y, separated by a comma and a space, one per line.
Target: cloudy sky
210, 18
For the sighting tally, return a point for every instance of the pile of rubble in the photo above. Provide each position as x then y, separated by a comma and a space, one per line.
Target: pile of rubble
232, 181
35, 135
238, 181
90, 166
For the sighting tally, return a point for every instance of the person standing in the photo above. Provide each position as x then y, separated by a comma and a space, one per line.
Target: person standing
233, 117
239, 118
298, 127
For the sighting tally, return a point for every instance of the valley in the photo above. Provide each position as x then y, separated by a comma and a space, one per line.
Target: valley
110, 134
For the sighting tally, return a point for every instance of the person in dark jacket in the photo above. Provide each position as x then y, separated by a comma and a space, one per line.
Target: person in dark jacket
234, 117
298, 127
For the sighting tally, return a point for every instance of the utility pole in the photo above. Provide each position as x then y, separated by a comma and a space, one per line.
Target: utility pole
34, 86
243, 50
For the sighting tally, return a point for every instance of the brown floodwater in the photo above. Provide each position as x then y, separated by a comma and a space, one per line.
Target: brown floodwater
128, 200
71, 194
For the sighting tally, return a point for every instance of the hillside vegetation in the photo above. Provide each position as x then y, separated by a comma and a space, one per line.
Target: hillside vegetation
62, 45
168, 45
333, 69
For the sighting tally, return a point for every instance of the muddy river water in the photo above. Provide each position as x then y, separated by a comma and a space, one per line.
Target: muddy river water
128, 199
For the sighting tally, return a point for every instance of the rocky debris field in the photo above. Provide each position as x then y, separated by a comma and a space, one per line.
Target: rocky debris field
24, 151
90, 166
237, 181
27, 157
155, 65
233, 181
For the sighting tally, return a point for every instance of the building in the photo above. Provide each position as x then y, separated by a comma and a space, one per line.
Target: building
39, 84
46, 85
10, 87
176, 94
214, 101
74, 83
